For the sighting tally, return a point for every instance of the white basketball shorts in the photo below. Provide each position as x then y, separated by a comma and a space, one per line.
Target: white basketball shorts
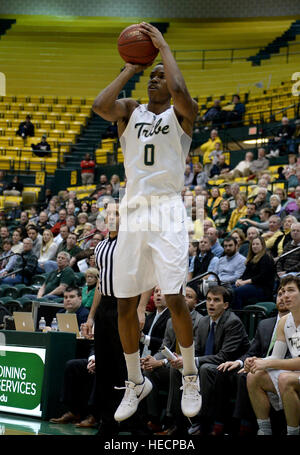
152, 248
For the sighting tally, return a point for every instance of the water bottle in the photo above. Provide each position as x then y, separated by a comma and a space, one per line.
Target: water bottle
42, 324
54, 325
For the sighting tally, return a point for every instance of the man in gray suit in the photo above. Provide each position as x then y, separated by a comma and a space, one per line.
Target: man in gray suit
157, 367
231, 378
221, 336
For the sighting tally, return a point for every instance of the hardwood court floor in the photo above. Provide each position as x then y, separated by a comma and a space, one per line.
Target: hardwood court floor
14, 425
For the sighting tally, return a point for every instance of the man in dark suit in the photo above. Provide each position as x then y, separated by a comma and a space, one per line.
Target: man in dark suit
155, 325
221, 336
157, 367
78, 393
232, 375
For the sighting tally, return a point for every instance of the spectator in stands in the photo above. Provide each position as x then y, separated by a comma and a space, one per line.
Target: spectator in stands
188, 175
242, 169
115, 182
42, 149
257, 280
204, 260
42, 223
235, 111
48, 249
88, 290
111, 131
252, 233
274, 231
231, 266
221, 336
17, 244
213, 113
103, 180
33, 234
243, 223
58, 280
222, 217
4, 235
78, 392
234, 192
87, 170
26, 128
33, 215
215, 154
14, 188
86, 236
208, 147
73, 304
152, 334
94, 213
214, 201
284, 199
200, 176
292, 205
71, 208
71, 246
60, 222
53, 216
260, 164
282, 143
232, 376
216, 248
291, 167
277, 374
220, 169
263, 224
240, 237
82, 218
7, 259
290, 263
80, 262
70, 223
296, 212
3, 182
24, 266
61, 238
275, 205
85, 207
239, 212
261, 198
286, 235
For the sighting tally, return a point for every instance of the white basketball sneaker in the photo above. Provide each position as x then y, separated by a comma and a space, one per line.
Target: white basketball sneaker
134, 393
191, 399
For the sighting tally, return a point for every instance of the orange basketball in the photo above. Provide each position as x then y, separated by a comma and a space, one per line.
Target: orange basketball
136, 47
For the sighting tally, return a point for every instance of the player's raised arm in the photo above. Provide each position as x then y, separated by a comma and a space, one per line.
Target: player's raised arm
107, 104
183, 102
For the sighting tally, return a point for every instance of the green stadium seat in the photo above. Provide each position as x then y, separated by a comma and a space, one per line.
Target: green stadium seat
11, 292
13, 305
38, 280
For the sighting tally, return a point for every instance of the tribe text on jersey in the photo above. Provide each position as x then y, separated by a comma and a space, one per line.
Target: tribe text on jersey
155, 148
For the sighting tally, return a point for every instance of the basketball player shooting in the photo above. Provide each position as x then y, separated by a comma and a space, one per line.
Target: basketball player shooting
155, 141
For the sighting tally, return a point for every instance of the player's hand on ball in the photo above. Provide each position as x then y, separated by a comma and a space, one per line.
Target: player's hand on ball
155, 35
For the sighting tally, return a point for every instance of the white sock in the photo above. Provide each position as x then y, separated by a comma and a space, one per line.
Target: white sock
134, 367
265, 426
292, 431
188, 357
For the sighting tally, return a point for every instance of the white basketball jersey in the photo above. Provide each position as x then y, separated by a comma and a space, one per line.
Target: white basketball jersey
155, 148
292, 336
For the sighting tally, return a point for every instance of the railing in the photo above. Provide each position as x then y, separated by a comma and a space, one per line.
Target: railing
202, 55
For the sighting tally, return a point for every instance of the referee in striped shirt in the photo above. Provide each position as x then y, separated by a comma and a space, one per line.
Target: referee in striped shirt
109, 358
